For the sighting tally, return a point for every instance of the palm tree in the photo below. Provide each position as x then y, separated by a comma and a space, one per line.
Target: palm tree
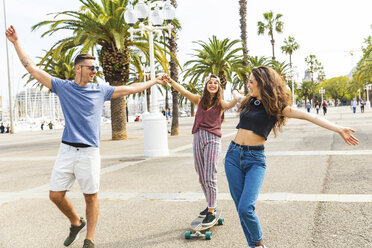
195, 88
174, 76
282, 68
101, 25
60, 67
256, 61
271, 24
243, 36
313, 65
219, 57
290, 46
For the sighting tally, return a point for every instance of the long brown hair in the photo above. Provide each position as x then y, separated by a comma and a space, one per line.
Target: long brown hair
206, 100
274, 95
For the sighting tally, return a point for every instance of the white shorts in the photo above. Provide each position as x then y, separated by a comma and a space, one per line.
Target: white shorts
84, 164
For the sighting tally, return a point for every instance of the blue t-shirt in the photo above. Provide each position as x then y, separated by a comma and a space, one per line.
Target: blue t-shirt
82, 108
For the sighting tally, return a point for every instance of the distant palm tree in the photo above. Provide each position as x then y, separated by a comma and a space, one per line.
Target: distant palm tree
282, 68
101, 26
290, 46
271, 24
219, 57
256, 61
195, 88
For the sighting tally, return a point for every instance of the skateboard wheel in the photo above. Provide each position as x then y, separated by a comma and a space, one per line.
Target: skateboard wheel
187, 235
208, 235
221, 221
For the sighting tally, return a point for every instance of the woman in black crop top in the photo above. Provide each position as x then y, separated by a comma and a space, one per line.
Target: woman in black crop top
266, 108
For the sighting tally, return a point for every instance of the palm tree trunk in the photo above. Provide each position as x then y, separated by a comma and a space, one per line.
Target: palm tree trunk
272, 41
192, 109
148, 93
272, 44
118, 119
174, 76
166, 97
243, 36
116, 71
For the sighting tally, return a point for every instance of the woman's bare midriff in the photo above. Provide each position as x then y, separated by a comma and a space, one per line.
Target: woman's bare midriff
248, 138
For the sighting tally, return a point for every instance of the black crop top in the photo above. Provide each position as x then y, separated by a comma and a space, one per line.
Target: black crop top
256, 119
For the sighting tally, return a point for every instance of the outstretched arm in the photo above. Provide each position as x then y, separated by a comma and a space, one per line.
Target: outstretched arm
238, 95
228, 105
135, 88
192, 97
344, 132
40, 75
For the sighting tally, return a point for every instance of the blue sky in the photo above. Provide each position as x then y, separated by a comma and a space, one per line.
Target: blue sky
326, 28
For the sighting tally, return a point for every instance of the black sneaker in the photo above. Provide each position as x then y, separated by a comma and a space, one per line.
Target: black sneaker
203, 213
209, 219
88, 244
74, 232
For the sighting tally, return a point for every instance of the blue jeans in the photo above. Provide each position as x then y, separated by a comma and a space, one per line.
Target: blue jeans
245, 171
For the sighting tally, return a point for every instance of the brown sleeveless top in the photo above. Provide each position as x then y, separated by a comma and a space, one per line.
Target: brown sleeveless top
208, 120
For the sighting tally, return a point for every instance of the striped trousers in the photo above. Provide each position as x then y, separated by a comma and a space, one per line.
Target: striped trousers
207, 149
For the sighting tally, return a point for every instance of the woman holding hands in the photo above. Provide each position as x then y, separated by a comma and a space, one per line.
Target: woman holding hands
266, 108
207, 137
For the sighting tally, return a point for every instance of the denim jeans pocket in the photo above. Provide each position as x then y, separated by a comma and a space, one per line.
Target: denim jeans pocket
260, 154
230, 148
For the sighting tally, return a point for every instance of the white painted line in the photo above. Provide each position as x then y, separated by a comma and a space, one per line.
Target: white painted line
175, 154
6, 197
320, 153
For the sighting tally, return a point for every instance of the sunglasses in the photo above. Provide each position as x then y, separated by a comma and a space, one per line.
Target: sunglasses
91, 67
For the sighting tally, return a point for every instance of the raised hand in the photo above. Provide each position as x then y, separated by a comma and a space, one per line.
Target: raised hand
346, 134
161, 79
11, 34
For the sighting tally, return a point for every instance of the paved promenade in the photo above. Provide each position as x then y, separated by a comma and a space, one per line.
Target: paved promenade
317, 190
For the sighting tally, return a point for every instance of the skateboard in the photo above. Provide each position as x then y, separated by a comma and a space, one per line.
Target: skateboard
199, 230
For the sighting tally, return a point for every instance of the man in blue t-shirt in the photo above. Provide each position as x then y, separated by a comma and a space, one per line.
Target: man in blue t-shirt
78, 157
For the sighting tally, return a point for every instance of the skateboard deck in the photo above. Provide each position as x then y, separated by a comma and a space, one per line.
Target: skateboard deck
197, 226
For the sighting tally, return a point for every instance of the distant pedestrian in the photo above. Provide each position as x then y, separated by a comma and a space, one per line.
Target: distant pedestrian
7, 128
308, 106
362, 103
325, 105
266, 108
2, 128
354, 104
163, 112
42, 126
317, 107
207, 138
50, 125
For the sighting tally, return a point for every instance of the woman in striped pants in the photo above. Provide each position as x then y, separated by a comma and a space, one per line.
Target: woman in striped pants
207, 138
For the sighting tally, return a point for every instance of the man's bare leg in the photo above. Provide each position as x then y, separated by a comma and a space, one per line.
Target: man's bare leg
64, 204
91, 201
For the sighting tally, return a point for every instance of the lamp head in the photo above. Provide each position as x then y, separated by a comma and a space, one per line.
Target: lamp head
156, 17
169, 12
141, 9
130, 16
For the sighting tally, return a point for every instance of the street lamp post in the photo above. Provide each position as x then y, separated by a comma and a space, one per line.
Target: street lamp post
322, 91
154, 123
9, 84
368, 87
291, 78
